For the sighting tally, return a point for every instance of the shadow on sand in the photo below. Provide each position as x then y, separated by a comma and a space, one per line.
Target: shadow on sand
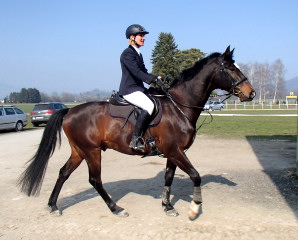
151, 187
278, 159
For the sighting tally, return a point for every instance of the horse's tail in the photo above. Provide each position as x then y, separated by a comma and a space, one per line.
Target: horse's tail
31, 179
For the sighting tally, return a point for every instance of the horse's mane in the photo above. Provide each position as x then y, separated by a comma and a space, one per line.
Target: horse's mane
191, 72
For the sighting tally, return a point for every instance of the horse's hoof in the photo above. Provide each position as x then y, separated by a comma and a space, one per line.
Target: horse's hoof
122, 214
56, 213
194, 211
172, 213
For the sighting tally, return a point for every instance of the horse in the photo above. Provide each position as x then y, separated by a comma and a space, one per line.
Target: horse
90, 129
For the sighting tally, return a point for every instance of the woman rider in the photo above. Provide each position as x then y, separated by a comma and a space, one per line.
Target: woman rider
134, 73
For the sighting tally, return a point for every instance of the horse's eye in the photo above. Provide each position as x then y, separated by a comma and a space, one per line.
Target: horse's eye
232, 68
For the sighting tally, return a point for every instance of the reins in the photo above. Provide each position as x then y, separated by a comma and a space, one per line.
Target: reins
228, 95
175, 103
231, 92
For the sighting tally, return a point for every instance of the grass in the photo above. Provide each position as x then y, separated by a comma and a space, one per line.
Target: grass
258, 127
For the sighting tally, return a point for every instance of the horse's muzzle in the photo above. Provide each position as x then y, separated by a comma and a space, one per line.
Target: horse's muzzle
252, 94
246, 97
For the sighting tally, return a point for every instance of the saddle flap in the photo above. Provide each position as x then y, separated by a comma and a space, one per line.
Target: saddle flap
130, 112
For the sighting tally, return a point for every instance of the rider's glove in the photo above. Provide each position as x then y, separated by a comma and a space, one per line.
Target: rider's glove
161, 83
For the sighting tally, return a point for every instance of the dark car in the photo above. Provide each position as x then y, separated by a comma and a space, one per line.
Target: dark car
12, 117
42, 112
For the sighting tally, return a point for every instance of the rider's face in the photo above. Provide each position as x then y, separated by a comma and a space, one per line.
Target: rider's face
140, 39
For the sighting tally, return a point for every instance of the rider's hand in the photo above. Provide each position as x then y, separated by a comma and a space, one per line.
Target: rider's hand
159, 82
162, 83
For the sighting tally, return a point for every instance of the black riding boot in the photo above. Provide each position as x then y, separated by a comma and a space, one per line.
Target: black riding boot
137, 142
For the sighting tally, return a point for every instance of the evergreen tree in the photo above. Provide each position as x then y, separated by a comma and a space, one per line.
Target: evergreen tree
187, 58
14, 97
24, 95
33, 95
164, 56
30, 95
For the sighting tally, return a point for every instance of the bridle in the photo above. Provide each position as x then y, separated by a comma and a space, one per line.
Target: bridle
235, 84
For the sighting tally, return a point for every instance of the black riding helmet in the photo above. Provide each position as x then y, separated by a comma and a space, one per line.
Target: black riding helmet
134, 30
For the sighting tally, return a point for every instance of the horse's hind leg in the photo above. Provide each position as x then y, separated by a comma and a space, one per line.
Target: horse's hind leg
94, 165
169, 176
64, 173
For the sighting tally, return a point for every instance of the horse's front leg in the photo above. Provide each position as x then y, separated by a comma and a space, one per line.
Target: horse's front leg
180, 159
166, 202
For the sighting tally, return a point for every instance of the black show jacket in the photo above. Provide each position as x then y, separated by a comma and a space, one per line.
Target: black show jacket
134, 72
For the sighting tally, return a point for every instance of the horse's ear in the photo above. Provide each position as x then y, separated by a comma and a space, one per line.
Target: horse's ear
232, 52
226, 54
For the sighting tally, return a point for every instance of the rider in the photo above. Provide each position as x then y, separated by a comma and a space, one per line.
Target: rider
134, 73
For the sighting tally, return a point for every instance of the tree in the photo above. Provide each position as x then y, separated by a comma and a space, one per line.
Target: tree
24, 95
45, 97
67, 97
164, 56
30, 95
14, 97
279, 81
55, 97
187, 58
33, 95
267, 79
264, 81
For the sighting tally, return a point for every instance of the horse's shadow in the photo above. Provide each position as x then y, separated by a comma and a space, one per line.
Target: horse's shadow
182, 189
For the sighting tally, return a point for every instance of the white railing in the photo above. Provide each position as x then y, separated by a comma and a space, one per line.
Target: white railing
268, 105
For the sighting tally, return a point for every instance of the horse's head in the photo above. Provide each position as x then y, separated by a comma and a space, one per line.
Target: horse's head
232, 79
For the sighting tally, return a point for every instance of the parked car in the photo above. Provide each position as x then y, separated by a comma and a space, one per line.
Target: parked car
42, 112
214, 105
12, 117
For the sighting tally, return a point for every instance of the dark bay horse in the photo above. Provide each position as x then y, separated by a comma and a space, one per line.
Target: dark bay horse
90, 129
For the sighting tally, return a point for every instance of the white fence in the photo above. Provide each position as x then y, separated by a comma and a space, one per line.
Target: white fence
268, 105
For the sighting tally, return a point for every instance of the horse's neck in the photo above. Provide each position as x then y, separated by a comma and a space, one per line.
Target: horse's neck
192, 95
194, 92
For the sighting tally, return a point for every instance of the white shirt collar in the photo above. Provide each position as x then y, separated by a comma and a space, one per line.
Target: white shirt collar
137, 49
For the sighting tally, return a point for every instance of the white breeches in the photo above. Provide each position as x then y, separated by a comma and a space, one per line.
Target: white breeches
140, 100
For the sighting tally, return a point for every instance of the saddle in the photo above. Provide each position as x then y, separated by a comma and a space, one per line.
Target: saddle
120, 108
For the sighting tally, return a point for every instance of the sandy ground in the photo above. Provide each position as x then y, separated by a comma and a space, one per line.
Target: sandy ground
247, 189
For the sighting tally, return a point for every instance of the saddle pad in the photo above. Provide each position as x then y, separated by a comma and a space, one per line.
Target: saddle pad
125, 110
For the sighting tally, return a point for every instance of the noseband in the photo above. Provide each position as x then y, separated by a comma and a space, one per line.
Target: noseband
234, 82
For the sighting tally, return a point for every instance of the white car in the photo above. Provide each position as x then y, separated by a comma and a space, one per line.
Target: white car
211, 106
12, 118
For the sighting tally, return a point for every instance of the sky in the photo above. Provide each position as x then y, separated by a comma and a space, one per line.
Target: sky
74, 46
